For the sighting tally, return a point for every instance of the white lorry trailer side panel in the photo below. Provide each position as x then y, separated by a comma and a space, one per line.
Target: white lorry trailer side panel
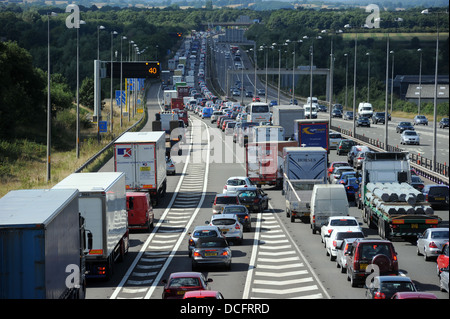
285, 115
108, 188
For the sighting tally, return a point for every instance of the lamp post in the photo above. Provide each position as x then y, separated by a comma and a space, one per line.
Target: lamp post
78, 89
49, 109
100, 27
392, 79
346, 81
386, 116
111, 125
420, 80
354, 87
368, 77
121, 60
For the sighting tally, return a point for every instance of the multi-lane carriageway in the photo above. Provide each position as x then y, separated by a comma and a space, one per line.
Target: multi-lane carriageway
278, 259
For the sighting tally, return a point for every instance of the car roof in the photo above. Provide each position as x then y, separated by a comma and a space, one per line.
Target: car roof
200, 293
237, 177
249, 188
228, 194
205, 227
185, 274
394, 278
341, 217
223, 216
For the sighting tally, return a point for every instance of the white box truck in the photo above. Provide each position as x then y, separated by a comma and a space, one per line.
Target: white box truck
142, 157
102, 203
285, 115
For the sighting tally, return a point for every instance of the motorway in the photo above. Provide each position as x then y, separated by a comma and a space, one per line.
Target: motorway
277, 259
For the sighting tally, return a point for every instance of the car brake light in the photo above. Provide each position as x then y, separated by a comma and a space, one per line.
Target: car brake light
334, 243
196, 254
379, 295
432, 245
237, 226
225, 187
191, 242
256, 201
330, 231
225, 253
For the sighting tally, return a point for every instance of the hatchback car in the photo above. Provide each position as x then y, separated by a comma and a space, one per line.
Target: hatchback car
348, 115
354, 151
409, 137
342, 251
384, 287
335, 139
211, 251
229, 225
337, 221
254, 198
344, 146
204, 231
420, 119
403, 126
370, 251
336, 113
436, 195
237, 182
242, 214
224, 199
333, 165
379, 117
430, 243
363, 121
179, 283
337, 172
442, 260
444, 123
359, 158
337, 237
170, 166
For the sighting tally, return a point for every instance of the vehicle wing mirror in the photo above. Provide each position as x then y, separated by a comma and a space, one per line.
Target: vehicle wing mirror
90, 239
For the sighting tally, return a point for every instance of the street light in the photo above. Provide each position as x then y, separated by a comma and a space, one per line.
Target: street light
346, 80
386, 116
392, 79
100, 27
420, 79
368, 77
49, 110
112, 79
121, 60
78, 89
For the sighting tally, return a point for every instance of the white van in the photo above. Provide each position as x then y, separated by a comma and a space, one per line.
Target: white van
327, 200
365, 109
313, 99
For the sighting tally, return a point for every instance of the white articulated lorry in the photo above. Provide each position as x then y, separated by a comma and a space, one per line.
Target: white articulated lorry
102, 203
142, 157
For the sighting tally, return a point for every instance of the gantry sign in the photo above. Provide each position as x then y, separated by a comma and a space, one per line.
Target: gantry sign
137, 70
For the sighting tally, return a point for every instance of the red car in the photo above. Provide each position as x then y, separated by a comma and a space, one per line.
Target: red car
442, 260
256, 99
180, 282
203, 294
334, 165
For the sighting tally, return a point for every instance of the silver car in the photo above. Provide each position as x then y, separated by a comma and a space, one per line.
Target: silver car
211, 252
342, 251
443, 282
410, 137
229, 225
420, 119
430, 243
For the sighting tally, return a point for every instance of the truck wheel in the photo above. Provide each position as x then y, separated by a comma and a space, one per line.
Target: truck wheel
292, 218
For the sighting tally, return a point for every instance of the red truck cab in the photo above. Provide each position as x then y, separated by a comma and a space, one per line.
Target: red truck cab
140, 210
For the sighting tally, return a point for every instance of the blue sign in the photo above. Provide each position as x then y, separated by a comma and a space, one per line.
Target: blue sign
314, 134
103, 126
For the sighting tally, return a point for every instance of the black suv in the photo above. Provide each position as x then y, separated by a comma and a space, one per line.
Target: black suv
365, 252
379, 117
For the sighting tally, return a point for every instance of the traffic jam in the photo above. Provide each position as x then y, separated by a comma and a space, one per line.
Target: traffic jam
316, 179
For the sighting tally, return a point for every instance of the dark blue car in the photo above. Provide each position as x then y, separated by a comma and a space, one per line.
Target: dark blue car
351, 183
436, 195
